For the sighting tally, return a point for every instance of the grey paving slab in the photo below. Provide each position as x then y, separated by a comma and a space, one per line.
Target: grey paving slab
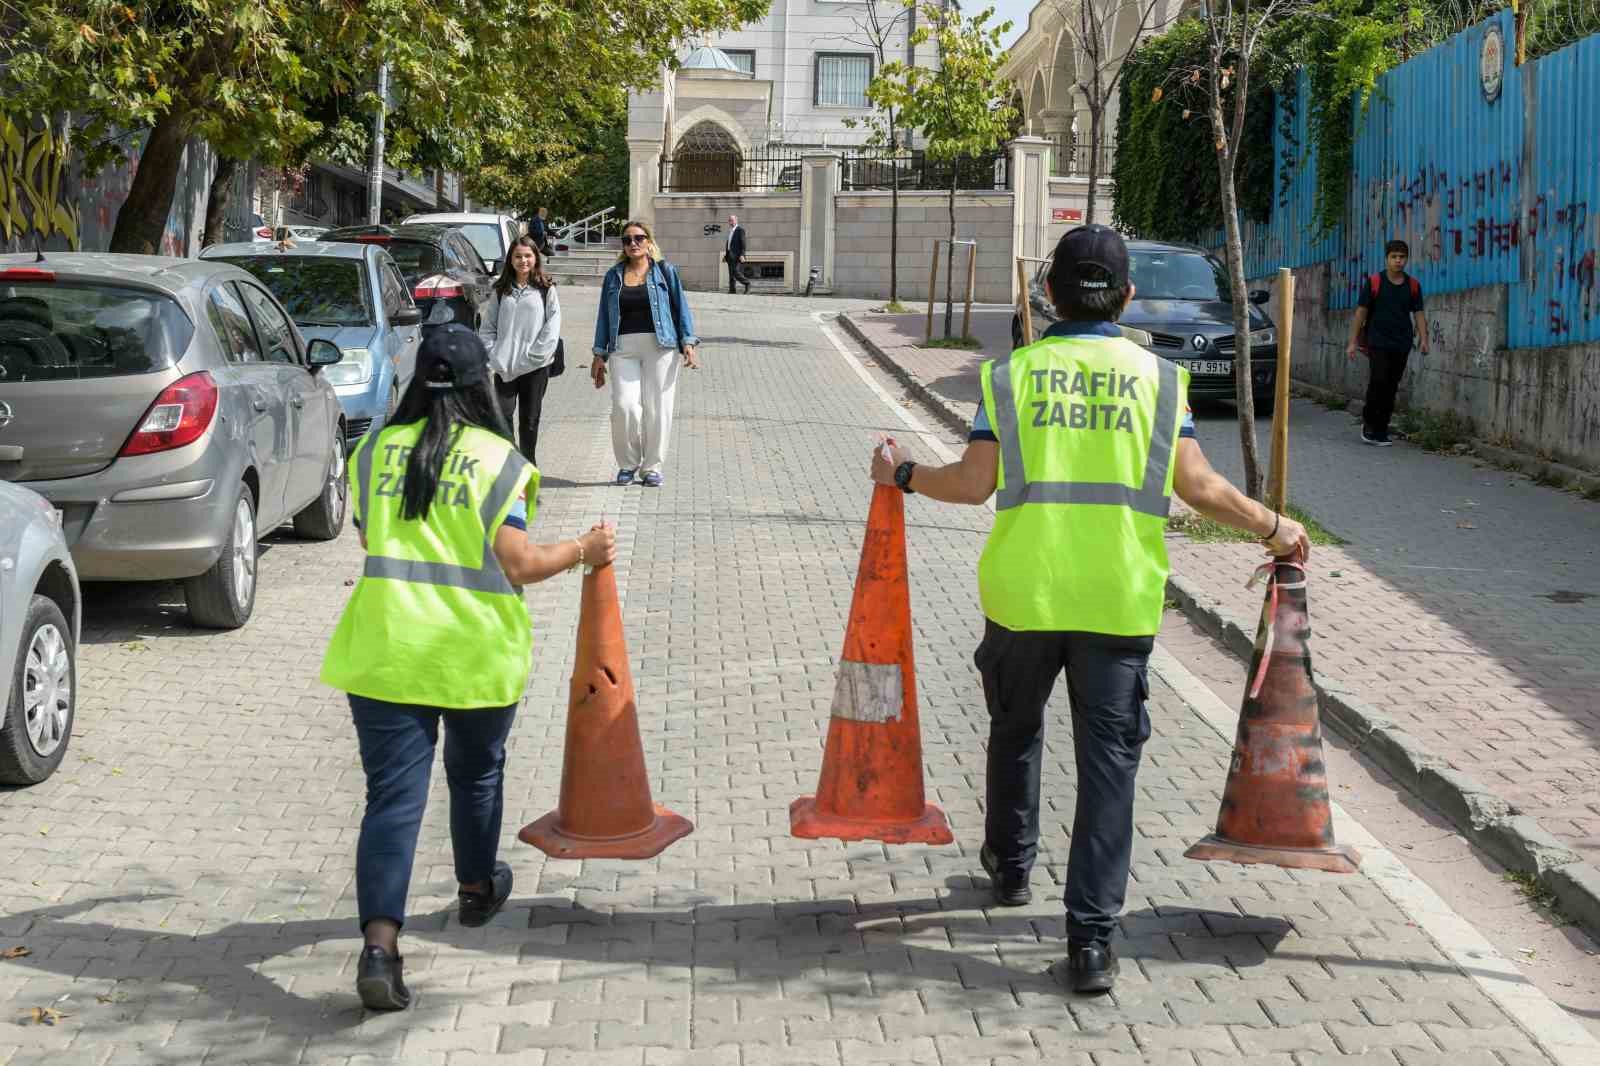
185, 882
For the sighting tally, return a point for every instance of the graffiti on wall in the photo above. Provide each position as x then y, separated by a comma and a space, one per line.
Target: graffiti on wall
35, 178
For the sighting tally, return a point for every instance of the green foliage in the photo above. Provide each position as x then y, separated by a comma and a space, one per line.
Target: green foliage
1203, 530
1165, 171
968, 344
1434, 432
572, 179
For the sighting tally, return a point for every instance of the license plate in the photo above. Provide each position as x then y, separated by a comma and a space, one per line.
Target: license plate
1206, 366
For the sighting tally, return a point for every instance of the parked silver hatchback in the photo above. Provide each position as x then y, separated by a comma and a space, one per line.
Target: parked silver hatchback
173, 414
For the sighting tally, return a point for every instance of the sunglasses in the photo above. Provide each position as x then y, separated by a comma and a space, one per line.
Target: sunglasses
635, 238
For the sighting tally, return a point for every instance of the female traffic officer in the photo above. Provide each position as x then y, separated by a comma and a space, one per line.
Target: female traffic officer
437, 629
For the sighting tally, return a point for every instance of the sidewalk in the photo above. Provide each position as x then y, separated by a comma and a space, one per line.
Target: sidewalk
1457, 633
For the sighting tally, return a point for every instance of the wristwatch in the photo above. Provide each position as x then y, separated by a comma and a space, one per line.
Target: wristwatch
902, 476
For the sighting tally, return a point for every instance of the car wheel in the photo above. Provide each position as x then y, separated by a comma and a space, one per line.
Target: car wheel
1266, 399
224, 596
394, 401
34, 735
1016, 331
324, 519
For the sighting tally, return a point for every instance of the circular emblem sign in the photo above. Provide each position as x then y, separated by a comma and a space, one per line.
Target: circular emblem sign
1492, 63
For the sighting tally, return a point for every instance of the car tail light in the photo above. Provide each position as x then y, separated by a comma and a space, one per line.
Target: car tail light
438, 292
179, 416
371, 239
265, 232
27, 274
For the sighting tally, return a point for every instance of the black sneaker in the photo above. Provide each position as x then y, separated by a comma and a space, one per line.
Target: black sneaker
378, 980
1376, 439
1008, 891
1088, 968
477, 908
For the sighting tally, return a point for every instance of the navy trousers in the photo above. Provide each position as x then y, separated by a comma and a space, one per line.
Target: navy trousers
397, 742
1107, 685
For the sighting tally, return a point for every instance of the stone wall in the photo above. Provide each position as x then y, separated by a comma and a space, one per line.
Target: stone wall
1544, 400
683, 229
1072, 194
861, 249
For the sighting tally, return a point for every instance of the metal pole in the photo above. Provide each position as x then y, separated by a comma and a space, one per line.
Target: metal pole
375, 165
972, 282
1278, 477
933, 287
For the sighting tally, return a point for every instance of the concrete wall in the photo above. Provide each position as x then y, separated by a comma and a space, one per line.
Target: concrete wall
1544, 400
861, 252
1072, 194
771, 224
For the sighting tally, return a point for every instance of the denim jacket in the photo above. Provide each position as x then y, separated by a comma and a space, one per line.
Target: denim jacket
669, 309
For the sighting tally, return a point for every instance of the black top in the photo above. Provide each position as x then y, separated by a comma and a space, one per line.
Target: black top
635, 303
1389, 313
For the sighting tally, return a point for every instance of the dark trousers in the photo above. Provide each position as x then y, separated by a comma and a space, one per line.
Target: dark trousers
1388, 368
522, 399
397, 741
737, 276
1107, 686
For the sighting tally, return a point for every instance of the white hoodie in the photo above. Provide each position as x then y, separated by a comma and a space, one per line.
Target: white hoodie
520, 335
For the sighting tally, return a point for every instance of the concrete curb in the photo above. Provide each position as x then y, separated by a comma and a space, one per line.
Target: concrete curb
1514, 839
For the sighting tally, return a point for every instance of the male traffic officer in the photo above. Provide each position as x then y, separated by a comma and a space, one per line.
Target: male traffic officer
1081, 438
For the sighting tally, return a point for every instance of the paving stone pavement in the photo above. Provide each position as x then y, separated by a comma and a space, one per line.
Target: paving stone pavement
1465, 606
184, 882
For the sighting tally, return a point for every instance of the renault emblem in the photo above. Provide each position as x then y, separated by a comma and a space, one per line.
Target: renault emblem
1199, 342
5, 413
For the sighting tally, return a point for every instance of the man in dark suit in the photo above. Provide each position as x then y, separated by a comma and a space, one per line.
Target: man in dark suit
733, 255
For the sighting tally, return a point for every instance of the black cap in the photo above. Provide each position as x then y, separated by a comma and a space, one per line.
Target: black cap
452, 357
1089, 259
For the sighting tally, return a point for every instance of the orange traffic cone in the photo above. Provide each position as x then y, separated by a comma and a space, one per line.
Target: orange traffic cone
871, 786
1275, 806
605, 810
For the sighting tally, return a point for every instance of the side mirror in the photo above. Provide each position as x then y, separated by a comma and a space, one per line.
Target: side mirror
322, 352
406, 316
493, 266
1259, 296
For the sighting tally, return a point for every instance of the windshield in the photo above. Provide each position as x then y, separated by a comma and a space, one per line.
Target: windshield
316, 290
485, 237
1176, 275
61, 331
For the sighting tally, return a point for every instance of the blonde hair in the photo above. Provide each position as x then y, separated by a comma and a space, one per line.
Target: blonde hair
650, 247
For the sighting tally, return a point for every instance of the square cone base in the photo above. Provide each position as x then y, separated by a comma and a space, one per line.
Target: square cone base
810, 823
1336, 860
665, 828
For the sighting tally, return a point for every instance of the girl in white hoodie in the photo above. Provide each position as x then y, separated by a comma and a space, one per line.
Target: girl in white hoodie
521, 330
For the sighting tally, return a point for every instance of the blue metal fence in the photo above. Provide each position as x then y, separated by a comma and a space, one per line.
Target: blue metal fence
1486, 188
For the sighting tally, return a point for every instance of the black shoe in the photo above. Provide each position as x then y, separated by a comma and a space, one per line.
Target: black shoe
1088, 968
378, 980
1008, 891
747, 290
1380, 440
477, 908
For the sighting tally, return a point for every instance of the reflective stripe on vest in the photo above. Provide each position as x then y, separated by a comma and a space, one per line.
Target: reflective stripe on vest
1149, 498
487, 576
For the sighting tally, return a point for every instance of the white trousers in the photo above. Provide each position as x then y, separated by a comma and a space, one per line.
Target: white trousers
644, 377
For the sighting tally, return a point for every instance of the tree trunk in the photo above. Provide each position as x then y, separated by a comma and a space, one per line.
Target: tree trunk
217, 201
1244, 399
950, 247
1094, 161
143, 217
438, 189
894, 213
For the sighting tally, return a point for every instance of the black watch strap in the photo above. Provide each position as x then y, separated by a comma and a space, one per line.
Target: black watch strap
902, 476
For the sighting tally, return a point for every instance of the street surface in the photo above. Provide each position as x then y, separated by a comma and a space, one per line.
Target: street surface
184, 884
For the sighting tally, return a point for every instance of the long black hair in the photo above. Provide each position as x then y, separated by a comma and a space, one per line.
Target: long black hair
447, 413
508, 273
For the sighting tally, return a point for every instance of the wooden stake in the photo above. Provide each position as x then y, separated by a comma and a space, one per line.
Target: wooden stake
972, 285
933, 287
1024, 309
1278, 475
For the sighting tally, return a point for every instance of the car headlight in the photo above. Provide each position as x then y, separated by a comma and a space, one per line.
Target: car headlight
1259, 337
354, 369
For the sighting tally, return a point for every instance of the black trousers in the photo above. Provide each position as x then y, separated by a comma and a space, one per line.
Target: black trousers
737, 276
1387, 370
522, 399
1107, 684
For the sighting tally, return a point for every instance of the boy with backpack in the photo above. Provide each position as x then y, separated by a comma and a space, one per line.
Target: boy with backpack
1388, 321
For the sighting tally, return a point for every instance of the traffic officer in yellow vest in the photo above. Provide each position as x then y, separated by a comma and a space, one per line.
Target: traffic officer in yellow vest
1082, 438
437, 630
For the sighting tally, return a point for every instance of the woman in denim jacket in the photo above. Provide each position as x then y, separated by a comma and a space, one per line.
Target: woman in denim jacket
644, 322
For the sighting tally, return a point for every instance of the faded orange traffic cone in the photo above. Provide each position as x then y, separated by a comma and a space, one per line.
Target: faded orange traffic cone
1275, 805
871, 786
605, 810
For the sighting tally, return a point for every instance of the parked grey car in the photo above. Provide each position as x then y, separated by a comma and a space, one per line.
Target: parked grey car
39, 619
354, 296
173, 414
